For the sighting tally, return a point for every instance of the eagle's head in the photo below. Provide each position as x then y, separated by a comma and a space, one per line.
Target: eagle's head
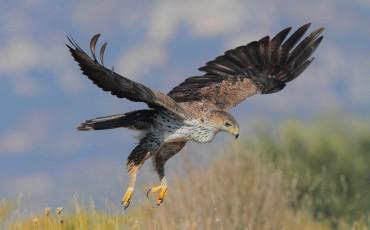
224, 121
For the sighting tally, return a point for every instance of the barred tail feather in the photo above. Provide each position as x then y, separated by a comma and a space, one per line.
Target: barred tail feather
100, 123
137, 120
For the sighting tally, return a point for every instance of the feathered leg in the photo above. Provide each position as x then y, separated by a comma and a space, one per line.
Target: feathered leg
160, 158
147, 146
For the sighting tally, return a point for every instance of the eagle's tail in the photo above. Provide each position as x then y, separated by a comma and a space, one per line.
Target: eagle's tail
137, 120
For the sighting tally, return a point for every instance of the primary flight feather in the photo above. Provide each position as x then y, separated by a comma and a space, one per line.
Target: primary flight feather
195, 110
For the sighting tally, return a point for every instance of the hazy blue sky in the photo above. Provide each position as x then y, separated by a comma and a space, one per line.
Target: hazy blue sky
44, 96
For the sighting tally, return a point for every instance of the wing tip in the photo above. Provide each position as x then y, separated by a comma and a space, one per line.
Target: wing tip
308, 24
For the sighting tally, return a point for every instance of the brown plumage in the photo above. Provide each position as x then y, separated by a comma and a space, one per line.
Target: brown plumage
117, 85
263, 66
196, 110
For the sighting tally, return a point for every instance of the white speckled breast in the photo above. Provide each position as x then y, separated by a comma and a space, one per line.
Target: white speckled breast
174, 129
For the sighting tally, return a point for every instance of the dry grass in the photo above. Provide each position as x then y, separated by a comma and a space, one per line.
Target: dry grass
236, 192
5, 210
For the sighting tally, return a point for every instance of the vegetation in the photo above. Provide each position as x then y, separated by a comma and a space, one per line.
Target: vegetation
297, 177
327, 163
235, 193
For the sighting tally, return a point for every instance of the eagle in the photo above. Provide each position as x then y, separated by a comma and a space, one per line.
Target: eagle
197, 109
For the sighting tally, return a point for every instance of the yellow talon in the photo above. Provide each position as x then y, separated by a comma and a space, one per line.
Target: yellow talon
161, 189
126, 199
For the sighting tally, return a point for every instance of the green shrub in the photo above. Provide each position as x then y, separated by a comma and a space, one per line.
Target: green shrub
327, 162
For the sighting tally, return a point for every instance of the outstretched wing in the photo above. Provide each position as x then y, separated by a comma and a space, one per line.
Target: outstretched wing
263, 66
117, 85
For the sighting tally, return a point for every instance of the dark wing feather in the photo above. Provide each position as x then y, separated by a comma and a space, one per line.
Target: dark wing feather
263, 66
116, 84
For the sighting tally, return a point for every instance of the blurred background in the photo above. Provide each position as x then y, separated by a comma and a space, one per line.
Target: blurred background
44, 96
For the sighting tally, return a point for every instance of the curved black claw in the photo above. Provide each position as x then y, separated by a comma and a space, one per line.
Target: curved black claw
125, 205
126, 199
150, 201
162, 190
147, 193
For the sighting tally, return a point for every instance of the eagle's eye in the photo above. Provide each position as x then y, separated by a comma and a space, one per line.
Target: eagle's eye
227, 124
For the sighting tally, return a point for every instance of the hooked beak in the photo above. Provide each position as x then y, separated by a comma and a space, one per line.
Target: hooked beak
235, 132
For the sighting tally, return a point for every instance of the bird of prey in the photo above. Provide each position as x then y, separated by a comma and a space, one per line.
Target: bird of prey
197, 109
